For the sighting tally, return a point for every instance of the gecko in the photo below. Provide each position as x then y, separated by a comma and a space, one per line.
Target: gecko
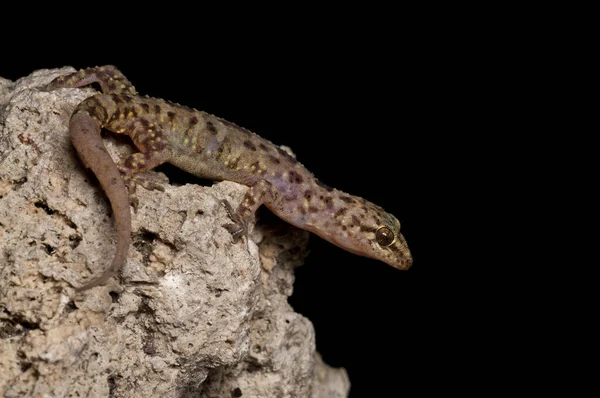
213, 148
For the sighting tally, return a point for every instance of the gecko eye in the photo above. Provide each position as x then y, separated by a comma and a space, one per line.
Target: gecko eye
384, 236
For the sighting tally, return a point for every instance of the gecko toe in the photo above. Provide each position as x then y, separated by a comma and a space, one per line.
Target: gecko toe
133, 199
148, 184
236, 230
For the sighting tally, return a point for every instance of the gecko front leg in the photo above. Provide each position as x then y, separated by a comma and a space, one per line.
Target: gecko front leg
263, 192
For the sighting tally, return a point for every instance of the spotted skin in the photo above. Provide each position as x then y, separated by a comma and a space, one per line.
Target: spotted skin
210, 147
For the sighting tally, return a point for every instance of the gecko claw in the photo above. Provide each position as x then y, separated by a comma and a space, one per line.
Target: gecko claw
131, 192
133, 199
236, 230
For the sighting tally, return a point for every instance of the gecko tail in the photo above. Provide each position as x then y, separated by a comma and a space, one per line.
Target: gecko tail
106, 275
85, 135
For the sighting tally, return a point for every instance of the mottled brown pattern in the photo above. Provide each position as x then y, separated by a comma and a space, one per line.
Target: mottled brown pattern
347, 199
249, 145
286, 155
95, 109
171, 116
295, 178
211, 128
117, 99
234, 163
255, 166
209, 147
340, 212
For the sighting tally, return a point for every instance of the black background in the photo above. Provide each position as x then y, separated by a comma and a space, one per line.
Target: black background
376, 110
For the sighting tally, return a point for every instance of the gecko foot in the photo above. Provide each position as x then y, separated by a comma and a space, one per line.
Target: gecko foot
132, 181
147, 183
238, 228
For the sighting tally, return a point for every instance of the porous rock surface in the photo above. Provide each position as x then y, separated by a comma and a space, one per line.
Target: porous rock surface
195, 315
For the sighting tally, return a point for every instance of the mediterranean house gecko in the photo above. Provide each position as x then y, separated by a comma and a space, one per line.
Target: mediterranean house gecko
212, 148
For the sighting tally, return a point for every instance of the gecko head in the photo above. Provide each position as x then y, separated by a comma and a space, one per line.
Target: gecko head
369, 231
389, 246
387, 243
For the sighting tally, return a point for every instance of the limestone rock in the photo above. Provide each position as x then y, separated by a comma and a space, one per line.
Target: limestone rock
195, 315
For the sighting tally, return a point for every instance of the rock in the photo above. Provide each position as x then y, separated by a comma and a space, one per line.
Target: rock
194, 314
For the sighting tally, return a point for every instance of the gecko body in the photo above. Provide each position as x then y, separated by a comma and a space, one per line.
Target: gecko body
209, 147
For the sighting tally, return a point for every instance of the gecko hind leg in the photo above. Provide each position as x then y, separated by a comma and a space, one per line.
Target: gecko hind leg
154, 151
110, 79
134, 165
